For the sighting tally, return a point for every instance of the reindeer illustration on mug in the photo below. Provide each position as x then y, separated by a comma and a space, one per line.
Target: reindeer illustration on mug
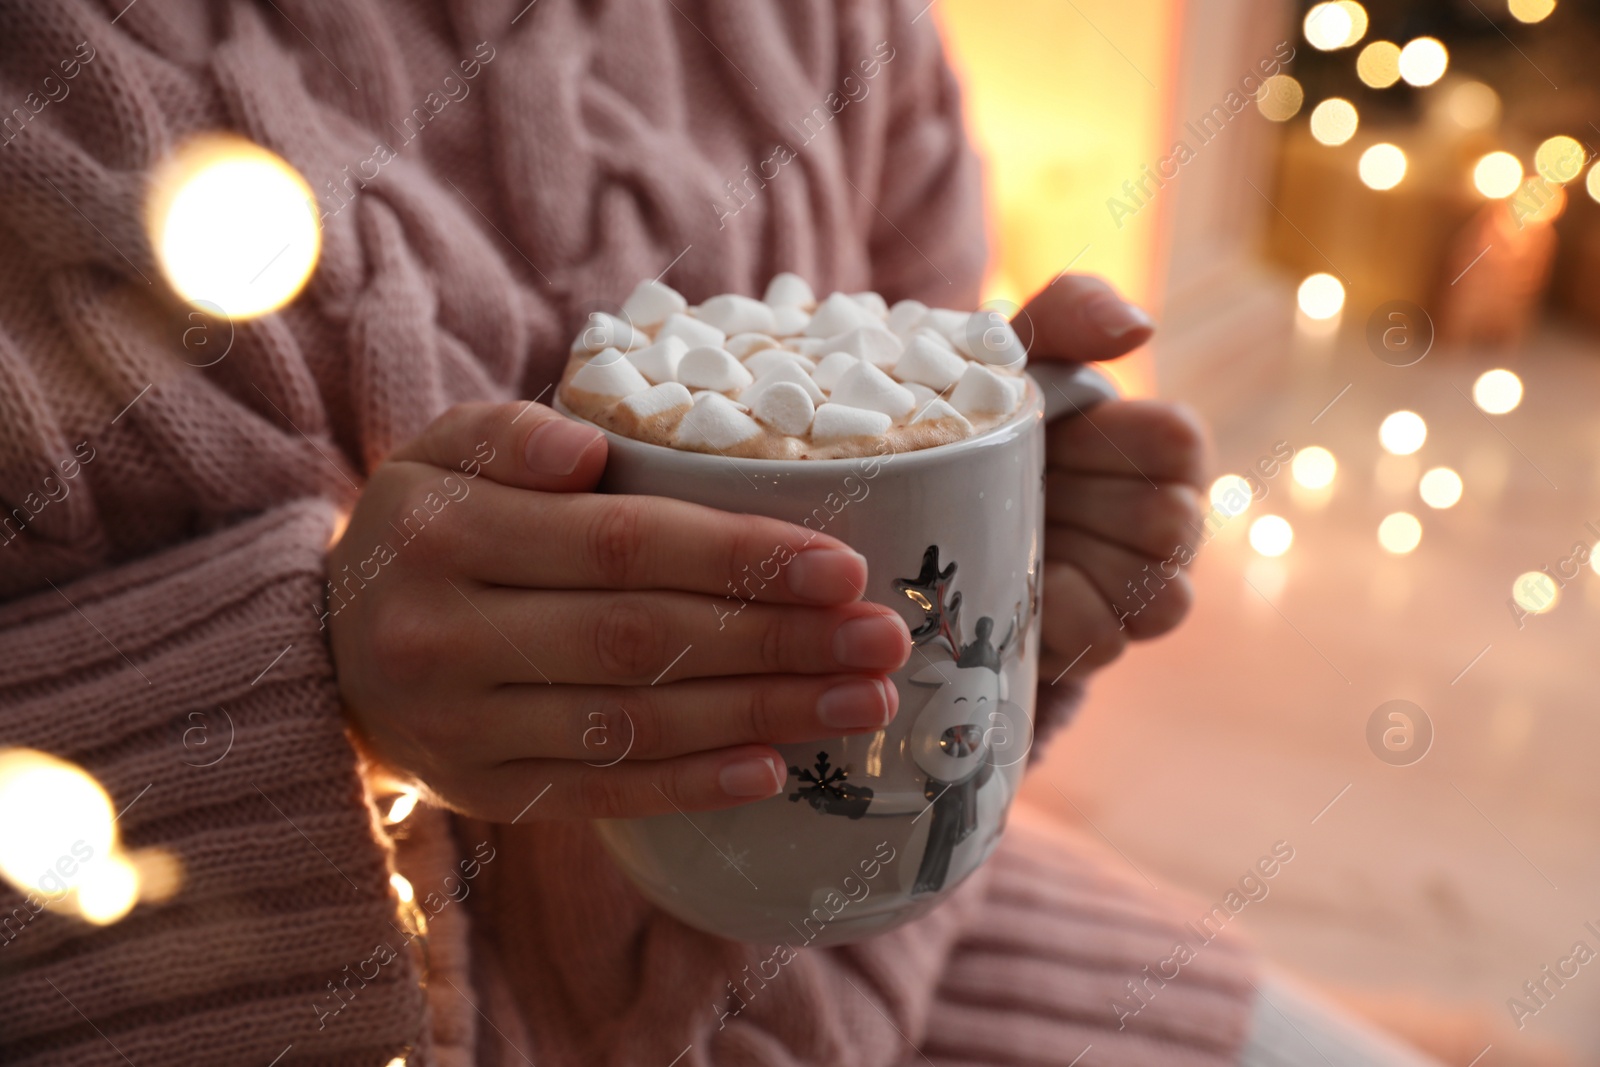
965, 733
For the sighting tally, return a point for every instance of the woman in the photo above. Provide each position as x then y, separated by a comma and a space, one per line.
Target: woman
487, 173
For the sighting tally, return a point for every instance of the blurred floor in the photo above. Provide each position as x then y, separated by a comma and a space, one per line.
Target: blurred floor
1461, 875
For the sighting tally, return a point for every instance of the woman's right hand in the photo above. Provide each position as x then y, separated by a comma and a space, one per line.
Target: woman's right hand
498, 629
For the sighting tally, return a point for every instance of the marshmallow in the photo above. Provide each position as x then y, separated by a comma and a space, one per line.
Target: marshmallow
651, 302
696, 394
659, 362
712, 368
604, 330
786, 407
928, 333
905, 315
875, 344
788, 320
609, 374
743, 344
982, 392
782, 372
732, 313
920, 394
715, 421
929, 363
873, 303
838, 314
789, 290
865, 386
837, 420
668, 396
692, 332
938, 409
832, 366
767, 358
990, 338
952, 325
807, 346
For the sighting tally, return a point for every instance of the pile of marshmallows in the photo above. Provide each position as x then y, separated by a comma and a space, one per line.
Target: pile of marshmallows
847, 367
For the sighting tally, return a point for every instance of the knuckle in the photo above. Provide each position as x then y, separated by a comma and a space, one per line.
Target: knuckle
629, 639
775, 641
401, 645
1183, 431
614, 728
616, 542
760, 713
603, 792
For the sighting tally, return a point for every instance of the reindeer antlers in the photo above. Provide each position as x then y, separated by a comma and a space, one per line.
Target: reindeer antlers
928, 591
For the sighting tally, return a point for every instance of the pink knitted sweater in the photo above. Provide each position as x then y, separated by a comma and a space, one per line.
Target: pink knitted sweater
488, 172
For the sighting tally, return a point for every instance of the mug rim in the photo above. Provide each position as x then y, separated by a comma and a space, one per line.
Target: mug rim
1031, 410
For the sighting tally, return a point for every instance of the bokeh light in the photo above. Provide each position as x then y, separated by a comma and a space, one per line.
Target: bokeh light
1400, 533
1321, 296
402, 807
1402, 433
1280, 97
1314, 467
1537, 200
234, 227
1423, 61
1559, 159
402, 887
1535, 592
1440, 488
1472, 105
1334, 121
1497, 391
1531, 10
1497, 175
1382, 166
1378, 65
1592, 183
1330, 26
1271, 535
1231, 495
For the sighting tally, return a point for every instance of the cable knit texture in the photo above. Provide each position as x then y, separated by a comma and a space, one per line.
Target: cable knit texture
487, 174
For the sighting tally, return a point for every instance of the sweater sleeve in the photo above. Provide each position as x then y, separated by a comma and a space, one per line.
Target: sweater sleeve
196, 685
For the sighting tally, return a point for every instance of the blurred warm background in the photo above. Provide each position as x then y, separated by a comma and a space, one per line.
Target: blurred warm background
1380, 253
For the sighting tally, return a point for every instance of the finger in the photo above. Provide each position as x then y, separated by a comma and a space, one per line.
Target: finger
1080, 317
1078, 633
603, 725
522, 790
595, 638
1148, 597
1146, 439
525, 445
591, 541
1126, 511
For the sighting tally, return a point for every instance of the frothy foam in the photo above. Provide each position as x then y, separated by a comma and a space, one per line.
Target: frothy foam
792, 377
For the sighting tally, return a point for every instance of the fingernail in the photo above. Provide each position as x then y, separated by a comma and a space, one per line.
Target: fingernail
556, 445
858, 704
755, 777
1116, 318
872, 642
827, 575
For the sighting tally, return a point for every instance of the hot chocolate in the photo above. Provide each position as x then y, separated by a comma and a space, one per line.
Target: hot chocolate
791, 377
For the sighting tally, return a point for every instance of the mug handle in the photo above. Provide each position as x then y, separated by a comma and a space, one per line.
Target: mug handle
1070, 388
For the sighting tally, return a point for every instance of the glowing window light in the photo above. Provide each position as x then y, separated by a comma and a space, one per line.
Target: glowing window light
1314, 467
1531, 10
1473, 105
1271, 535
1497, 175
1423, 61
1280, 97
1231, 495
1328, 26
1400, 533
1402, 433
234, 227
402, 887
1334, 121
1440, 488
1535, 592
1497, 391
1321, 296
1378, 65
1382, 166
1559, 159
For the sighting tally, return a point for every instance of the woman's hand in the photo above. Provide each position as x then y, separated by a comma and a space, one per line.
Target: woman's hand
497, 629
1121, 487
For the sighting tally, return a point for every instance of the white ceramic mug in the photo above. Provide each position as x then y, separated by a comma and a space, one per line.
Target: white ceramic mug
871, 831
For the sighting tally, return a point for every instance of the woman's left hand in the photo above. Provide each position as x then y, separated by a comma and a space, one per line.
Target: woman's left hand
1122, 486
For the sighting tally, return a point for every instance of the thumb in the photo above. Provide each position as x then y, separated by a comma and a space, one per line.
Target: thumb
523, 445
1079, 317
